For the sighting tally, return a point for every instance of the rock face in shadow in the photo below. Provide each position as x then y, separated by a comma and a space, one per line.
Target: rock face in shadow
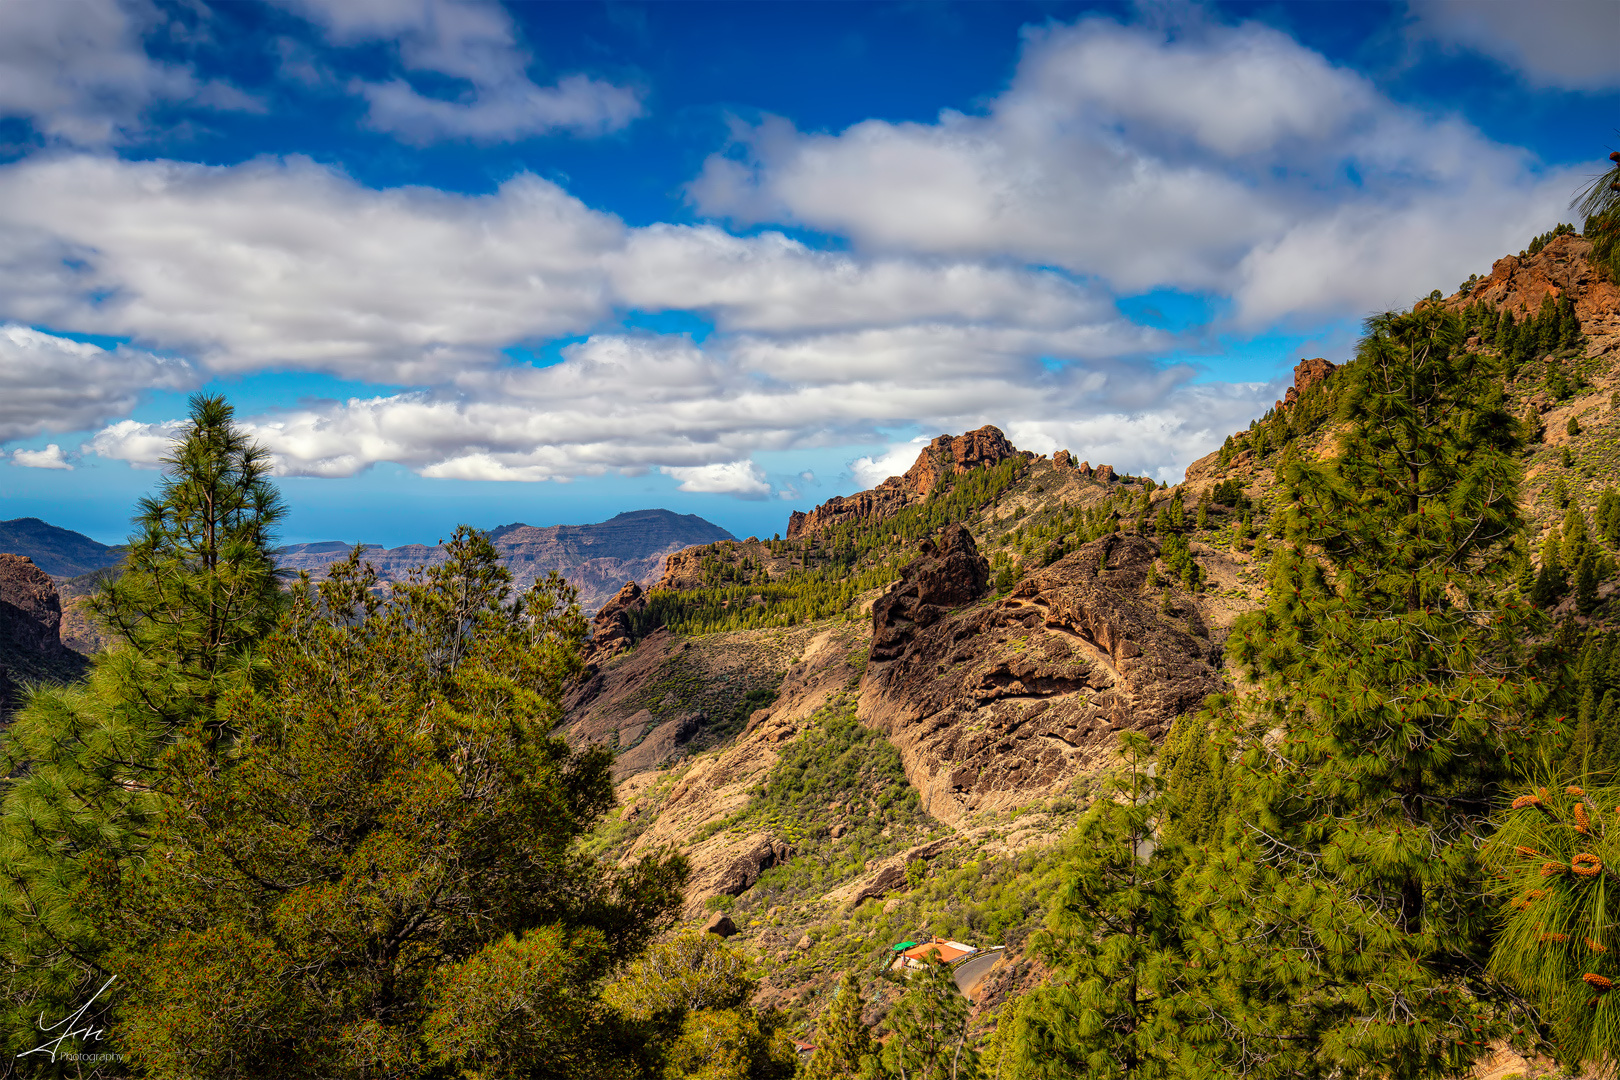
946, 574
1000, 702
31, 648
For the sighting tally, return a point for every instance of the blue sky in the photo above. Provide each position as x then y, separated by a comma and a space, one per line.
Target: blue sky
459, 261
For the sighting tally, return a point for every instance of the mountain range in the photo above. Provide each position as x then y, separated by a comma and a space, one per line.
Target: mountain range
61, 553
597, 559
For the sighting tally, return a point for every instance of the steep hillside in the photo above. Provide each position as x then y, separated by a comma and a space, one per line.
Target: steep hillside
597, 559
61, 553
953, 653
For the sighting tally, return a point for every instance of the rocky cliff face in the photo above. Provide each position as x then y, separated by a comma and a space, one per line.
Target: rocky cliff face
596, 559
1562, 268
31, 649
999, 703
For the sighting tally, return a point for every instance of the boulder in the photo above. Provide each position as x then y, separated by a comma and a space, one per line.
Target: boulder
1063, 459
720, 923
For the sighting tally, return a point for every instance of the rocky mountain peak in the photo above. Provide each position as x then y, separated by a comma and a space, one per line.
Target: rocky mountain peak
1307, 373
946, 456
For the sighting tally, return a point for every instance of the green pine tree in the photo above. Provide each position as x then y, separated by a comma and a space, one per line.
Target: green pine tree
199, 588
1115, 1004
928, 1029
1586, 582
188, 614
1341, 910
385, 876
1552, 863
845, 1048
1572, 547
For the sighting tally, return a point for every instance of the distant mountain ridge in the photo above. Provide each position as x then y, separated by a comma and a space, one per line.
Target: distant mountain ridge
598, 558
61, 553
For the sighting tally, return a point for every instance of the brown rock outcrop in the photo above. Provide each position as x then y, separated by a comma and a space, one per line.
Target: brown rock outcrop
997, 704
946, 574
611, 630
1105, 473
946, 456
1307, 373
1561, 268
1063, 459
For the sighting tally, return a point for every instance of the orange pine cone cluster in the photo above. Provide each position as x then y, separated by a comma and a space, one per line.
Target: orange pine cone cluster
1526, 800
1548, 869
1596, 946
1559, 938
1597, 982
1527, 852
1582, 822
1573, 790
1586, 864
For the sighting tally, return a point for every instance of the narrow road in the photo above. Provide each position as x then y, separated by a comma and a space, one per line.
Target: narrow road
971, 972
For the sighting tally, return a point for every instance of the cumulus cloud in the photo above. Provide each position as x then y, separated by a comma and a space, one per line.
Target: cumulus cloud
50, 383
49, 458
620, 403
290, 264
773, 284
741, 478
1569, 44
475, 43
79, 73
1153, 161
142, 445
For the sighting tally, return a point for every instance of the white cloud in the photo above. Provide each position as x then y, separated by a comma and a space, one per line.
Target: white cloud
79, 73
625, 404
49, 458
1567, 44
50, 383
772, 284
743, 479
289, 264
1151, 160
477, 44
142, 445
